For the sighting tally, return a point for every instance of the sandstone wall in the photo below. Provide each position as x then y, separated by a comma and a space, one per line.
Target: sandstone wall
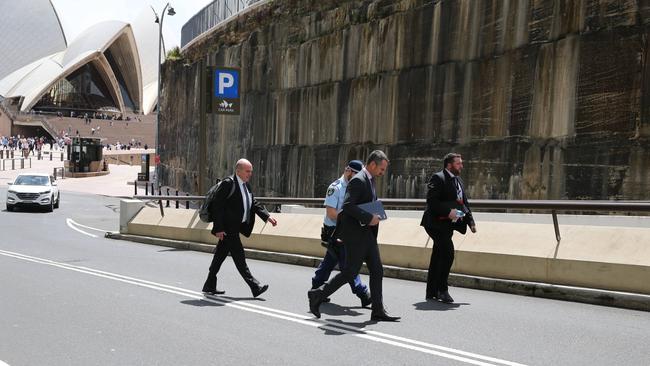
545, 99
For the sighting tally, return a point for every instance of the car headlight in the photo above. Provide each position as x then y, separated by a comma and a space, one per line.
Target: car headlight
45, 192
10, 191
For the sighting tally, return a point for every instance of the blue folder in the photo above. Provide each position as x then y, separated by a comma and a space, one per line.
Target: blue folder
375, 208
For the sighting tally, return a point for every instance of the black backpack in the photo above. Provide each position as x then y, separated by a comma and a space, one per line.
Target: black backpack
204, 212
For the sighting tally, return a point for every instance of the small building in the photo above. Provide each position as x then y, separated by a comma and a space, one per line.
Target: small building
85, 158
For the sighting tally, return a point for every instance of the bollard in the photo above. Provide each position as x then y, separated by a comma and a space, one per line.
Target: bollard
177, 200
187, 203
22, 163
61, 155
2, 154
135, 187
54, 173
153, 193
12, 154
146, 189
13, 164
159, 191
167, 199
50, 155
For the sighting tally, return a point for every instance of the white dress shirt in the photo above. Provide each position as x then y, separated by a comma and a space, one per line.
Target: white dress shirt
244, 194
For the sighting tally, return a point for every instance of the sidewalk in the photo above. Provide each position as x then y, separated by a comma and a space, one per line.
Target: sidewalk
114, 184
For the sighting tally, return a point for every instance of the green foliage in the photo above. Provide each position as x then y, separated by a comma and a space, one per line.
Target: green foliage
174, 54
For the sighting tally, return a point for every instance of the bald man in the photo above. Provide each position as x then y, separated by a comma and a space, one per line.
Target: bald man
232, 214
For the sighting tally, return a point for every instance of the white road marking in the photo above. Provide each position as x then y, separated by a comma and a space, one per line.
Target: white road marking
3, 364
401, 342
87, 227
70, 223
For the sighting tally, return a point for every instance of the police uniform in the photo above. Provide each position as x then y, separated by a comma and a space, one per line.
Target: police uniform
335, 255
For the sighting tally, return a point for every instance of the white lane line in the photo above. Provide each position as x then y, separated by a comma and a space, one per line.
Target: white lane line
385, 338
69, 222
86, 227
3, 364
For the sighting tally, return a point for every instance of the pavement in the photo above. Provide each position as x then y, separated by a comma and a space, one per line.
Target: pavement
115, 184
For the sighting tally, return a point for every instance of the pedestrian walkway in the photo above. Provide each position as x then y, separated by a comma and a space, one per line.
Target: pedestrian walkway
114, 184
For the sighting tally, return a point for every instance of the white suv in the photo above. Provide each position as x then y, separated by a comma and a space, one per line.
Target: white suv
33, 190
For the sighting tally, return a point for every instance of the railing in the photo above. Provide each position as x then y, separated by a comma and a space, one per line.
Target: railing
211, 15
553, 206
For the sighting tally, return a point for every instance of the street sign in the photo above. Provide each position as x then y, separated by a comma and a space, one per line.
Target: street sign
225, 90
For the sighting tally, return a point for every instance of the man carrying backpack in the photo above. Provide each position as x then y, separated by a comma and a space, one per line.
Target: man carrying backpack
232, 212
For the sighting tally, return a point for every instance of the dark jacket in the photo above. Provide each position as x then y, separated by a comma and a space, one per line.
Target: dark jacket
226, 212
349, 222
441, 198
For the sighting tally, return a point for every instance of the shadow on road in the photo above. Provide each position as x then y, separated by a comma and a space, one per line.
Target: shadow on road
334, 309
200, 303
335, 322
438, 306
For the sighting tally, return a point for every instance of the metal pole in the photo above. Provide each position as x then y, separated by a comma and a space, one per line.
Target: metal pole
159, 107
187, 203
177, 200
167, 195
556, 226
135, 187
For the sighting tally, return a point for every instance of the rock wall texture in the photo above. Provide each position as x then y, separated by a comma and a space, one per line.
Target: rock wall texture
545, 99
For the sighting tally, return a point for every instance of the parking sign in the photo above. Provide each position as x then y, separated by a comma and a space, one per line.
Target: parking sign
225, 90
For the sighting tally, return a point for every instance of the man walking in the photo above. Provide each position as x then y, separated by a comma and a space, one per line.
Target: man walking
335, 253
233, 212
447, 210
358, 230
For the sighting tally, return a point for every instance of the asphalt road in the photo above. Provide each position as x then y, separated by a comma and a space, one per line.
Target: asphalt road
71, 297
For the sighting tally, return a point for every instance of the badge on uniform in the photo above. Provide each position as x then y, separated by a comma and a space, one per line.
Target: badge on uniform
330, 191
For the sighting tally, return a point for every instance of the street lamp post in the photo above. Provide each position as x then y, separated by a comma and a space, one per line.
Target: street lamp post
159, 20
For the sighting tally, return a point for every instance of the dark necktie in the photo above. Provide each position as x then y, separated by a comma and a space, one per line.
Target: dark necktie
459, 191
372, 186
248, 203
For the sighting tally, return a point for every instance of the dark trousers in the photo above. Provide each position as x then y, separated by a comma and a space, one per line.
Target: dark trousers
355, 255
442, 257
231, 243
327, 265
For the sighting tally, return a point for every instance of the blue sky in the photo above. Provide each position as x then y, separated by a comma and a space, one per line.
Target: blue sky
77, 15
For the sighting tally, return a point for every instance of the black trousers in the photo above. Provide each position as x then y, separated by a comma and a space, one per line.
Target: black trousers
442, 257
355, 255
231, 243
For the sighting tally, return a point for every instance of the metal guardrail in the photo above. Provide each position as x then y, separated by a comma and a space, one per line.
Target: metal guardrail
554, 206
211, 15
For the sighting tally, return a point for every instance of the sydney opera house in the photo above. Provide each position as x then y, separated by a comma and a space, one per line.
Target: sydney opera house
109, 68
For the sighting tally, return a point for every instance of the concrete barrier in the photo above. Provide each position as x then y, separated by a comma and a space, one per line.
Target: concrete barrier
609, 253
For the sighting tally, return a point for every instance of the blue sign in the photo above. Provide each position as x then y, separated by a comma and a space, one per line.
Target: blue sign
226, 83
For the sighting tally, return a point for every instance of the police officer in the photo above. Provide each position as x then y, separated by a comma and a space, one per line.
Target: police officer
335, 253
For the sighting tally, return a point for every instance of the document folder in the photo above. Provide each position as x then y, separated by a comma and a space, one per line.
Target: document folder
375, 208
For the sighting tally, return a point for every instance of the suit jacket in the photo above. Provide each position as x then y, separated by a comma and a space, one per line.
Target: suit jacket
226, 213
352, 222
441, 198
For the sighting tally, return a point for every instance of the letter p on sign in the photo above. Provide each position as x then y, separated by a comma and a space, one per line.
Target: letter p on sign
226, 83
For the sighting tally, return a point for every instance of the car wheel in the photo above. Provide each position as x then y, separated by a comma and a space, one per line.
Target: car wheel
10, 208
50, 207
58, 200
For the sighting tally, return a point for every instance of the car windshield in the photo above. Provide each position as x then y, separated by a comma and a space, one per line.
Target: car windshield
32, 180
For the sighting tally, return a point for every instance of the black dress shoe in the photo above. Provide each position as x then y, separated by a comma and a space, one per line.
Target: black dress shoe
315, 299
260, 290
214, 292
366, 300
431, 297
383, 317
445, 297
327, 299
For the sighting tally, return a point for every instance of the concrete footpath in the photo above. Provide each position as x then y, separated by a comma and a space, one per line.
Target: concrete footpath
115, 184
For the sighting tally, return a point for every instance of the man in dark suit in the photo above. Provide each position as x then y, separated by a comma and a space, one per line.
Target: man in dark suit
232, 214
447, 210
358, 230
